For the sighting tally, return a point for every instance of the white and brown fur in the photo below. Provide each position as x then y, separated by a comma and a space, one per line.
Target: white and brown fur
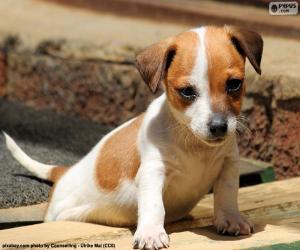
156, 167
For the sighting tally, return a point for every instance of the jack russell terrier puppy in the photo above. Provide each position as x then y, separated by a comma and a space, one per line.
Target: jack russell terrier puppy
156, 167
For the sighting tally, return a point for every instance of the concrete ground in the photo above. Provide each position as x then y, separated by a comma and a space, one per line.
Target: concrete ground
46, 137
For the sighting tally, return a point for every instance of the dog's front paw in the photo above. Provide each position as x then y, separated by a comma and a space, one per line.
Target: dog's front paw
151, 237
232, 223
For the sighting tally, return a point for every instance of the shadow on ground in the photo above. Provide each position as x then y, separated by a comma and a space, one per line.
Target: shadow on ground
46, 137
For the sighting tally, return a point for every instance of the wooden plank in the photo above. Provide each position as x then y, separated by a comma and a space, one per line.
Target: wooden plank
205, 238
28, 213
274, 208
263, 169
258, 196
248, 166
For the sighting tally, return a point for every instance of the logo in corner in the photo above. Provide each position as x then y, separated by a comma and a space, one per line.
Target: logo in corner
283, 8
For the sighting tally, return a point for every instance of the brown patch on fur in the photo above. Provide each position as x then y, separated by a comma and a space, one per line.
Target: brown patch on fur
152, 62
57, 172
119, 158
186, 45
248, 43
224, 63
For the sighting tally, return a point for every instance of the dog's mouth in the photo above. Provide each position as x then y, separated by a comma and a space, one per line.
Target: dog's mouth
214, 141
211, 141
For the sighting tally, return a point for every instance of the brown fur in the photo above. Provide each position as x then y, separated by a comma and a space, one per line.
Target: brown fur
155, 61
57, 172
119, 157
173, 59
186, 45
224, 63
152, 62
248, 43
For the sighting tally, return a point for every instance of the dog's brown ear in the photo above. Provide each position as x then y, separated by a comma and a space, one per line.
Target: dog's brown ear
248, 43
154, 61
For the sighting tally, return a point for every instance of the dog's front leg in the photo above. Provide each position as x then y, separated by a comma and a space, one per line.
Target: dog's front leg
227, 216
150, 233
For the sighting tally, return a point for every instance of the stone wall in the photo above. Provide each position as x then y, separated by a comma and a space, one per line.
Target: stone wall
76, 80
101, 84
274, 123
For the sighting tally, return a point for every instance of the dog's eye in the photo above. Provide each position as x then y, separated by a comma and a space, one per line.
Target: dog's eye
233, 85
188, 93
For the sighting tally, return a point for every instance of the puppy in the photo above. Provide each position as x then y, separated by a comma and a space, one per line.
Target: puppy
156, 167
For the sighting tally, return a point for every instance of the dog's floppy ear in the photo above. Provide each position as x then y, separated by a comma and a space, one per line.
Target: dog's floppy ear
248, 43
154, 61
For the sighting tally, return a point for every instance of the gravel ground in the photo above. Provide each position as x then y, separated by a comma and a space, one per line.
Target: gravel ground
46, 137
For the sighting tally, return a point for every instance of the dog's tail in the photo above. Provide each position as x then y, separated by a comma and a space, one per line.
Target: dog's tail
43, 171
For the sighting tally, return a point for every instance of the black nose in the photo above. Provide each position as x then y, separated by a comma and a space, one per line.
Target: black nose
218, 126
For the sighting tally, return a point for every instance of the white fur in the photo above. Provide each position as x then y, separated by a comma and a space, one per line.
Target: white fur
38, 169
197, 115
78, 189
200, 111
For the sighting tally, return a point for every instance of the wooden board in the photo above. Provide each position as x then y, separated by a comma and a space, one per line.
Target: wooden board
203, 238
264, 170
274, 208
28, 213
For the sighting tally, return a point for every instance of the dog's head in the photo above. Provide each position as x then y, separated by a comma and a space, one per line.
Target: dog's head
203, 72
